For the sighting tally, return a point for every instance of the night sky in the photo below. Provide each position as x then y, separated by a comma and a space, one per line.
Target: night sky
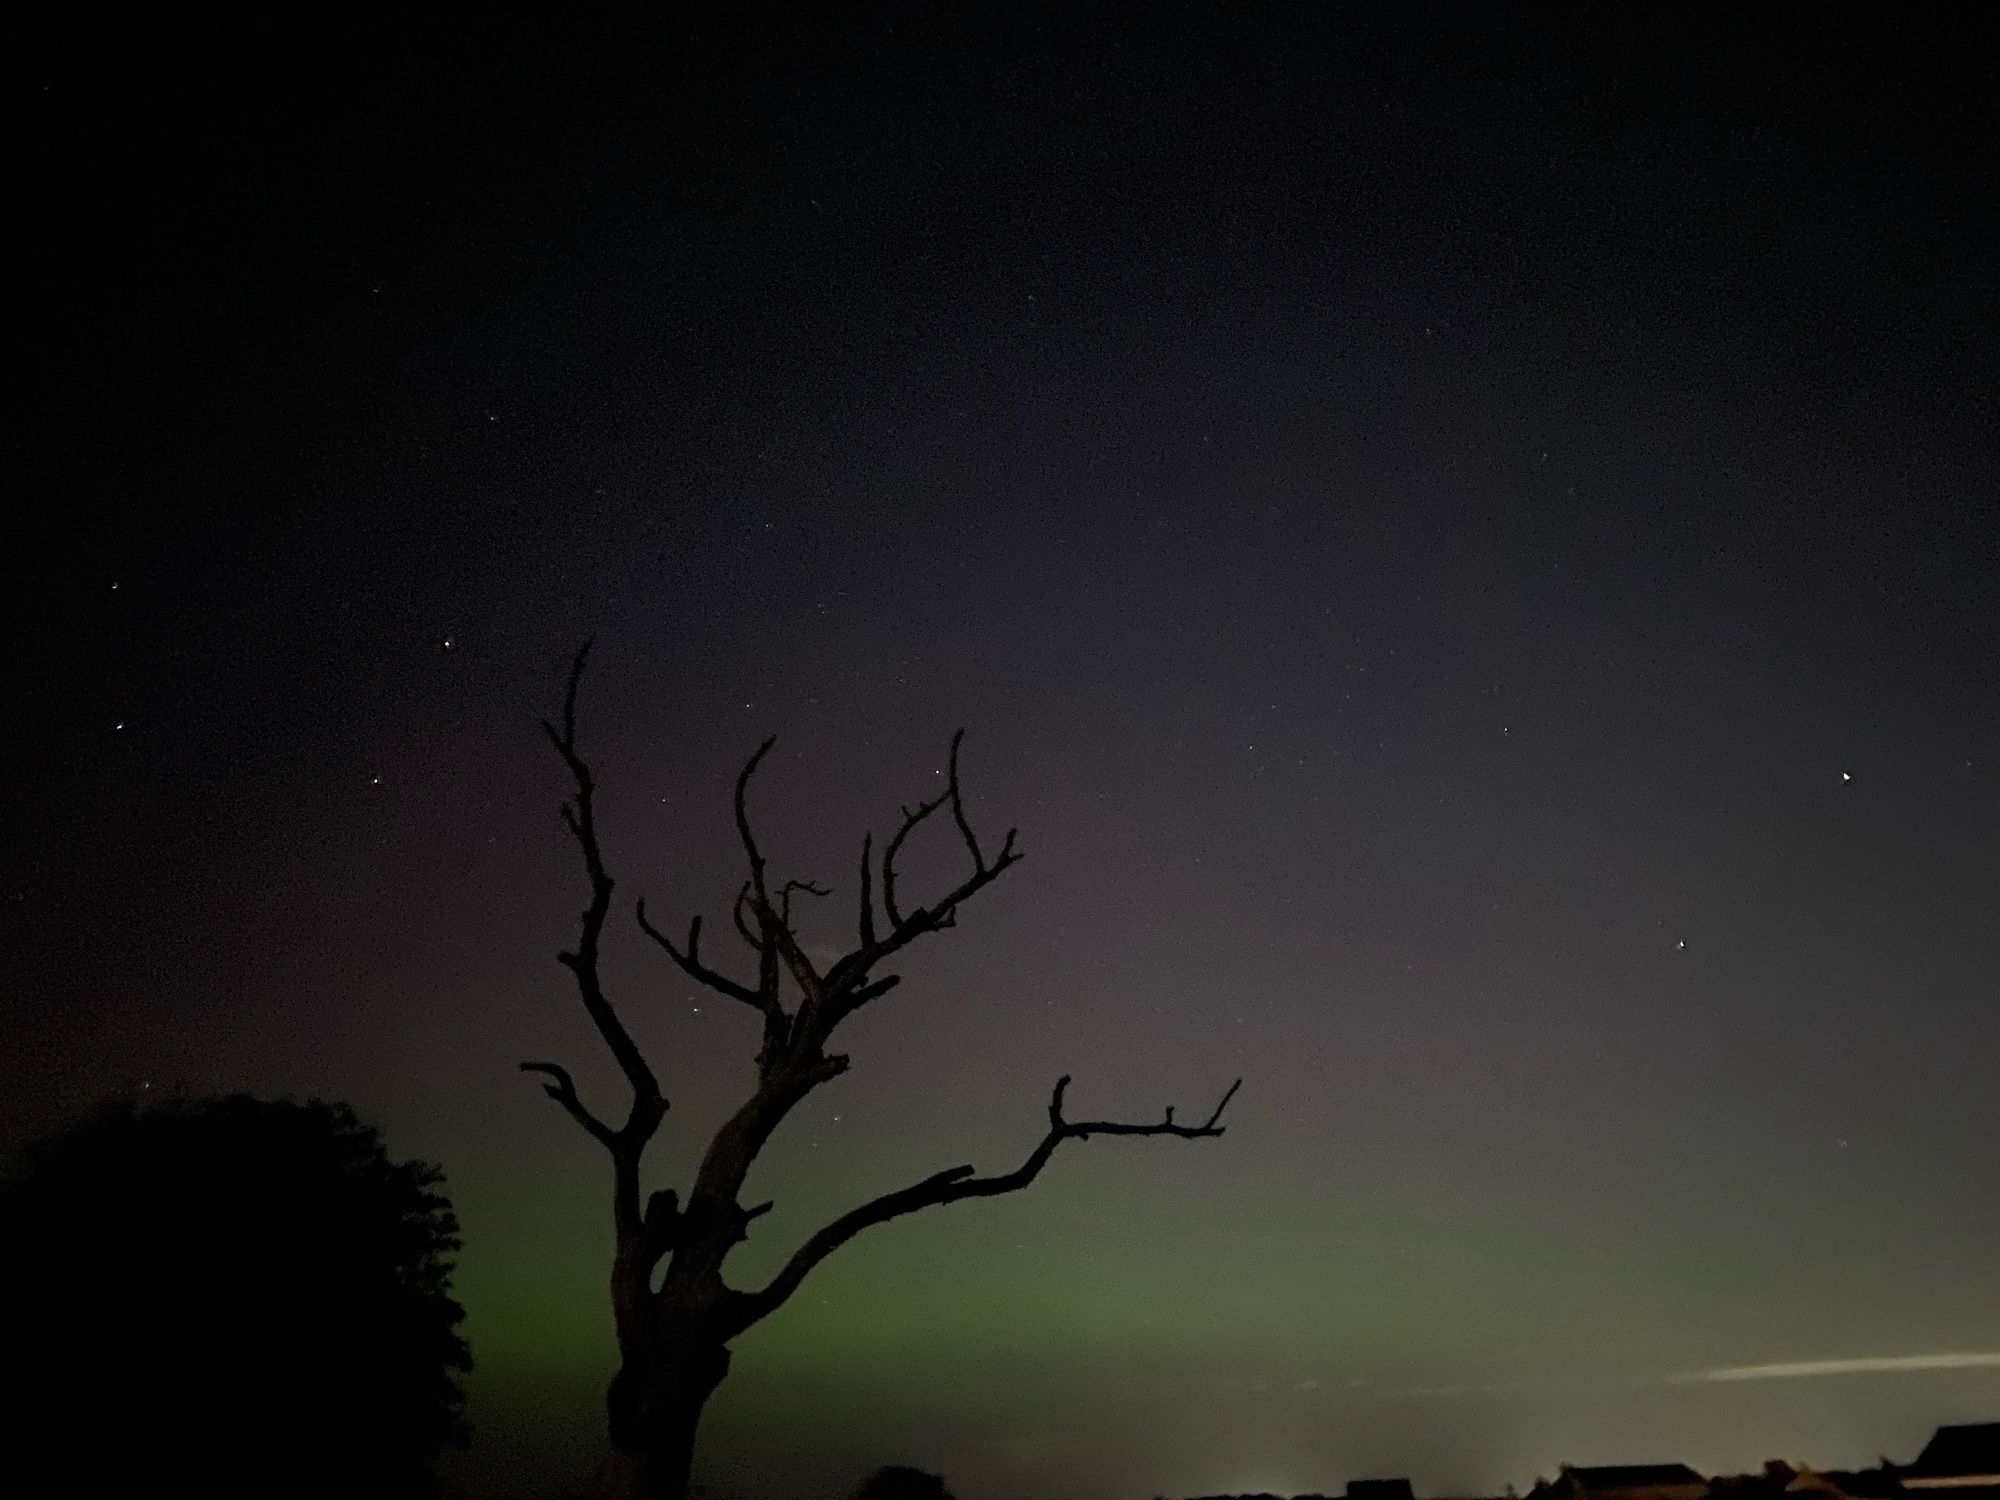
1467, 547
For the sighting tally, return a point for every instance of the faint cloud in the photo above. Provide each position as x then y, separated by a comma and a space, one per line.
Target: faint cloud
1805, 1369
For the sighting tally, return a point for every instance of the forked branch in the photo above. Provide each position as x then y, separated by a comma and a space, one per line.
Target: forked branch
846, 980
580, 817
956, 1183
769, 929
762, 914
941, 912
563, 1091
688, 960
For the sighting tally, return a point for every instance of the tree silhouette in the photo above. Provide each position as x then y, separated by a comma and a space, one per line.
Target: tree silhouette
900, 1482
674, 1332
242, 1297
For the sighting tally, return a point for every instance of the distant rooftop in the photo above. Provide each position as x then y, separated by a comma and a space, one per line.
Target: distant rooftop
1959, 1451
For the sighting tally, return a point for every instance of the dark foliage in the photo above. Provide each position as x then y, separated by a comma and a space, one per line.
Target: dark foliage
231, 1297
899, 1482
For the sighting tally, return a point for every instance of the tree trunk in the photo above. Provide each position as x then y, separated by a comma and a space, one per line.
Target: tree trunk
655, 1405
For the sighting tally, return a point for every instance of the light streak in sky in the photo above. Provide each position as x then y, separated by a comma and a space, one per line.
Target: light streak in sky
1897, 1364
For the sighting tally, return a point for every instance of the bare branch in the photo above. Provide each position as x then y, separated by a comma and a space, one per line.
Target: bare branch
688, 960
858, 998
1084, 1129
742, 927
846, 978
912, 817
804, 975
867, 891
579, 816
958, 807
563, 1091
951, 1186
743, 832
774, 937
846, 981
805, 887
767, 953
763, 999
1216, 1117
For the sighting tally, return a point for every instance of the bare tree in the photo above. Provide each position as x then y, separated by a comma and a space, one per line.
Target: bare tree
675, 1325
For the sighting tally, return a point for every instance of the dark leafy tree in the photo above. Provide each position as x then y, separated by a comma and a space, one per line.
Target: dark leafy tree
227, 1297
674, 1314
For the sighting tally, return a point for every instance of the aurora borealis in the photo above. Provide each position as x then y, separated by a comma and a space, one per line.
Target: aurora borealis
1467, 548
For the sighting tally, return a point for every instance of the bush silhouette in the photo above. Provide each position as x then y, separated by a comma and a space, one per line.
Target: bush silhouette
231, 1295
898, 1482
